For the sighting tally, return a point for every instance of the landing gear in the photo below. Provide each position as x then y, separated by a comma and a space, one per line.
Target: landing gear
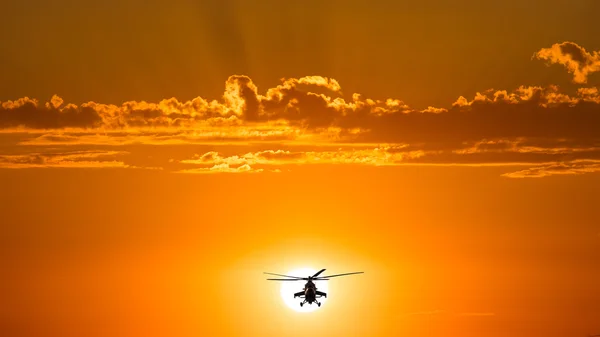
310, 302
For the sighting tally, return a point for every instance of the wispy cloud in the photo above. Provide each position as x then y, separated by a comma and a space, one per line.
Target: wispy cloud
222, 168
376, 157
400, 155
564, 168
74, 159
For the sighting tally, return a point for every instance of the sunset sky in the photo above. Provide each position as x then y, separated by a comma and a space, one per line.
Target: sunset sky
156, 157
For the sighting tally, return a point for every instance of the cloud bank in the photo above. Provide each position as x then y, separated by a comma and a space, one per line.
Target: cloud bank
309, 120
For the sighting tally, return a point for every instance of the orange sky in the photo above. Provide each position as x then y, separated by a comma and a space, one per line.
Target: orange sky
156, 159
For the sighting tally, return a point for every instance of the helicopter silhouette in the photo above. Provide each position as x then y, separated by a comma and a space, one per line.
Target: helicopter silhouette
310, 292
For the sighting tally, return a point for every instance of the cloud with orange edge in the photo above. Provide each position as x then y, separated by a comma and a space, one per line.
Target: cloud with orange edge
572, 56
543, 127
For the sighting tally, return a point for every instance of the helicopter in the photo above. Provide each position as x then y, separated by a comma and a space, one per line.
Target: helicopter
310, 292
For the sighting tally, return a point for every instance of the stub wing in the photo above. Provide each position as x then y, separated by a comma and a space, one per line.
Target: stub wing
299, 294
321, 294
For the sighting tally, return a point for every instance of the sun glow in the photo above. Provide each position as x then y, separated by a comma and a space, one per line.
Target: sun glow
288, 288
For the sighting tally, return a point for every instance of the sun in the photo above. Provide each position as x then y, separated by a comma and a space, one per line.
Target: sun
288, 288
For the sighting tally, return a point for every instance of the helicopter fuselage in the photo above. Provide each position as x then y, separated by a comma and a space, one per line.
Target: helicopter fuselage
310, 290
310, 294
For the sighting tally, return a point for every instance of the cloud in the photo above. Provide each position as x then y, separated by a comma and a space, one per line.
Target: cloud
575, 58
303, 115
29, 113
540, 161
73, 159
380, 156
240, 101
286, 114
309, 120
222, 168
206, 135
524, 146
575, 167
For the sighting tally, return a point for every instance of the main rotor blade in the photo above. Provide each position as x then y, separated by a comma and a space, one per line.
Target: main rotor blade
326, 277
319, 272
296, 277
284, 279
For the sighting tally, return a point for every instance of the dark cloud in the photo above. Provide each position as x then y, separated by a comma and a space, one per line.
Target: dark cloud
533, 126
528, 112
28, 113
